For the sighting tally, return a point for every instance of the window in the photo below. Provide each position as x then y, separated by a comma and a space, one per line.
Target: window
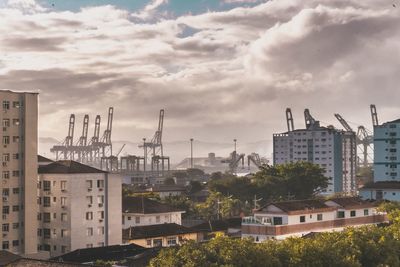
15, 173
89, 231
15, 243
6, 157
46, 217
46, 247
89, 184
366, 212
46, 185
89, 200
6, 140
63, 201
16, 104
63, 185
54, 232
6, 210
171, 241
100, 199
15, 139
6, 245
64, 232
157, 219
277, 220
100, 244
15, 122
16, 156
6, 105
15, 225
319, 217
101, 215
64, 217
353, 213
46, 233
6, 192
148, 242
100, 183
46, 201
6, 174
302, 219
392, 134
6, 227
100, 230
137, 219
89, 216
6, 122
15, 208
63, 249
340, 214
157, 242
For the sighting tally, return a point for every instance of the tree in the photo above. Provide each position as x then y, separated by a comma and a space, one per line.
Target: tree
218, 206
180, 202
195, 186
169, 181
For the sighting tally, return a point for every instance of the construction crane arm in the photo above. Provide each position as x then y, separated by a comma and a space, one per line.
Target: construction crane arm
343, 122
374, 115
309, 120
289, 120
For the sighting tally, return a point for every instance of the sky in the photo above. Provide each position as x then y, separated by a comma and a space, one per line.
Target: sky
222, 69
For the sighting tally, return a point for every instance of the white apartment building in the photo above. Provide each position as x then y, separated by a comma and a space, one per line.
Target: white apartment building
279, 220
79, 207
141, 211
19, 135
331, 149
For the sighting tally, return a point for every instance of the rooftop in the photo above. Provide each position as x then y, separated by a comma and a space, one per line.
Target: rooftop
108, 253
44, 159
7, 257
144, 205
166, 229
67, 167
298, 205
352, 202
394, 121
218, 225
382, 185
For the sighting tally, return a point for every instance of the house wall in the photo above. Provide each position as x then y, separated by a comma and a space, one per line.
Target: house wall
388, 194
179, 240
129, 219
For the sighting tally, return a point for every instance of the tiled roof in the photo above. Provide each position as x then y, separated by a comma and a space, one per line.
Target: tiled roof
218, 225
158, 230
44, 159
299, 205
144, 205
68, 166
108, 253
382, 185
7, 257
352, 202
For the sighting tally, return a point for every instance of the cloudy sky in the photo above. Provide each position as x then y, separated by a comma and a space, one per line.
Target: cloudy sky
222, 69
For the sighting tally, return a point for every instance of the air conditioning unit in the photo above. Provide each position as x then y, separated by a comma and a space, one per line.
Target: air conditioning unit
100, 205
100, 220
89, 189
5, 199
90, 205
100, 189
64, 207
63, 190
4, 235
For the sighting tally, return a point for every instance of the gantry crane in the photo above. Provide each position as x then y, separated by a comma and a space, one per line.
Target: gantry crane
82, 142
289, 120
65, 147
309, 120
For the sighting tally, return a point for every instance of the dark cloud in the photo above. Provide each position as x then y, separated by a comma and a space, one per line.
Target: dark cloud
44, 44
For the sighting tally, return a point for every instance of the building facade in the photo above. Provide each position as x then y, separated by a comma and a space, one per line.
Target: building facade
140, 211
331, 149
19, 172
79, 207
280, 220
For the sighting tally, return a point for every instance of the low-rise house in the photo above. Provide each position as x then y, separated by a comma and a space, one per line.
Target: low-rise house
209, 229
168, 190
79, 207
279, 220
140, 211
160, 235
388, 190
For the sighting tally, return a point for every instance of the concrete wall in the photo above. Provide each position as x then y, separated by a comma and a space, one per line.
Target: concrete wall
151, 219
114, 216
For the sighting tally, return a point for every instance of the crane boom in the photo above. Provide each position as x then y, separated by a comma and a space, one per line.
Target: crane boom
343, 122
70, 138
309, 120
289, 120
85, 128
374, 115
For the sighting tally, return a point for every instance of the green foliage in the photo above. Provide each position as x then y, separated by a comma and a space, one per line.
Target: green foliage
299, 180
169, 181
228, 207
194, 187
182, 203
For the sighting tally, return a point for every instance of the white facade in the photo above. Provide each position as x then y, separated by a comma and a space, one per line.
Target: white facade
79, 210
19, 118
333, 150
138, 219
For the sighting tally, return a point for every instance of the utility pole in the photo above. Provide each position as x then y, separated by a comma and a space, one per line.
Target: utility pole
235, 140
191, 153
144, 159
255, 201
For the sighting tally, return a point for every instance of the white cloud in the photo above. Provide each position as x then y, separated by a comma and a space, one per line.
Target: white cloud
26, 6
150, 10
220, 75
